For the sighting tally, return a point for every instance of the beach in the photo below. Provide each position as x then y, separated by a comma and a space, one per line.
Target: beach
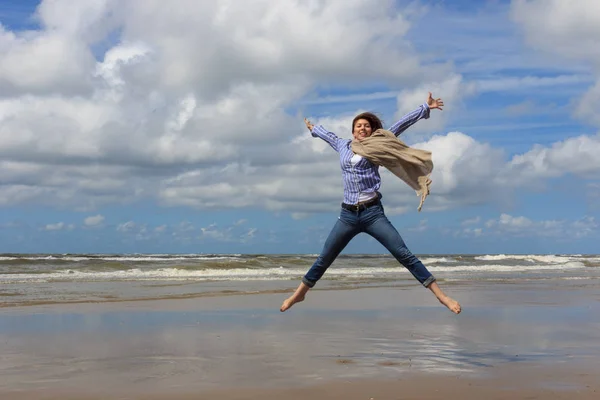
530, 332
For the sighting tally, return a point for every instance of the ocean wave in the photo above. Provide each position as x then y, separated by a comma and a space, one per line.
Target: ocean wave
533, 258
264, 273
437, 260
146, 258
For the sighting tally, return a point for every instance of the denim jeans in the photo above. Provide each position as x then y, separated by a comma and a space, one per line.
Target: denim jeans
373, 222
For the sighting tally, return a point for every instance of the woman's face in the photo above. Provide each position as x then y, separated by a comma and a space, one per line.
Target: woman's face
362, 129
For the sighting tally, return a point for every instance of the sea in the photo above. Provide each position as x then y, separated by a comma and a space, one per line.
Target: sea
35, 279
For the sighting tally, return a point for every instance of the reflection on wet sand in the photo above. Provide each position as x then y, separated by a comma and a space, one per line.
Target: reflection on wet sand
243, 341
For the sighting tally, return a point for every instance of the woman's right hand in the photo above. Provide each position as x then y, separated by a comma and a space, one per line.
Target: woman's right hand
309, 125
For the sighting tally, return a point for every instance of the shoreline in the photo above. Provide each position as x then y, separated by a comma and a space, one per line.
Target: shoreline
198, 290
105, 279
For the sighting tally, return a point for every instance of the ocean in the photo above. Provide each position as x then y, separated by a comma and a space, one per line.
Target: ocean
33, 279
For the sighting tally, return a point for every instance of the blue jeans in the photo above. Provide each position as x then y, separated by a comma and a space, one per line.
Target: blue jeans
373, 222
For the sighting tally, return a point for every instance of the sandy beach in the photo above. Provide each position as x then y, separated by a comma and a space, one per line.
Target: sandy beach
532, 340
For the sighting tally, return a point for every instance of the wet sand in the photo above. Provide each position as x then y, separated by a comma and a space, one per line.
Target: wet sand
511, 341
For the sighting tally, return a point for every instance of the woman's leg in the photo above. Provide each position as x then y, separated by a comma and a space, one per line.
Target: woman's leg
383, 230
338, 238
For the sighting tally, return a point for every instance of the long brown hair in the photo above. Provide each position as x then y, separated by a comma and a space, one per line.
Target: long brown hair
373, 119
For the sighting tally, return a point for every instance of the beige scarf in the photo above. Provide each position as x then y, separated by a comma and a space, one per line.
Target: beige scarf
413, 166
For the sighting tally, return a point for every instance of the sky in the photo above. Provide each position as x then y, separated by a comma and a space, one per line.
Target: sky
145, 126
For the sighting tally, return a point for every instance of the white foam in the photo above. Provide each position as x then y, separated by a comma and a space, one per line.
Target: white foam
510, 268
266, 273
148, 258
550, 259
436, 260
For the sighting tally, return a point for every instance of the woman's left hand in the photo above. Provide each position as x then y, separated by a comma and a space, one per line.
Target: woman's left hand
434, 103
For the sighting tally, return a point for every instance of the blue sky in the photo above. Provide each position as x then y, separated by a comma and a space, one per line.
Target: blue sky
137, 128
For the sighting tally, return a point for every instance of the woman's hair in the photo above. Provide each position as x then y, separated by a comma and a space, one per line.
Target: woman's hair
373, 119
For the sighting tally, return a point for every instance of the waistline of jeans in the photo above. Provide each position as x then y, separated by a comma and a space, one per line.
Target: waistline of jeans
361, 206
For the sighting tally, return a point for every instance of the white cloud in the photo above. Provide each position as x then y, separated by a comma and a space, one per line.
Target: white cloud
126, 226
95, 220
587, 109
452, 90
65, 66
560, 26
472, 221
527, 83
465, 171
231, 233
214, 233
12, 224
249, 235
525, 227
575, 155
166, 114
164, 100
59, 226
55, 227
585, 227
467, 232
571, 31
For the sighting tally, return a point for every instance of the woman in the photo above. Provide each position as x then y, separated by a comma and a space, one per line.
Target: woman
362, 210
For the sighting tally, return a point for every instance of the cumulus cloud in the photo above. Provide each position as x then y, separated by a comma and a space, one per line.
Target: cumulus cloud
452, 90
65, 66
126, 226
576, 155
506, 225
559, 28
557, 25
94, 220
162, 101
471, 221
523, 226
59, 226
214, 233
231, 233
165, 113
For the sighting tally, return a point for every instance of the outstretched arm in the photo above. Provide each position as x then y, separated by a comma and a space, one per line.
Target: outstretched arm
420, 113
319, 131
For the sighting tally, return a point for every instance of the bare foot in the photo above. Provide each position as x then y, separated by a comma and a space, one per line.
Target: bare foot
451, 304
290, 301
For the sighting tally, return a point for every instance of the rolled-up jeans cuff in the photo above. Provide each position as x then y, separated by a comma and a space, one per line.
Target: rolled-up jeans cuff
308, 283
429, 281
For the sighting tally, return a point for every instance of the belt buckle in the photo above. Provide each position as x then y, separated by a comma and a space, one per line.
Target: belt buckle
352, 207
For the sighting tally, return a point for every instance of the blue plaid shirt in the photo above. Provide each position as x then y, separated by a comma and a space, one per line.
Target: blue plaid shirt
364, 176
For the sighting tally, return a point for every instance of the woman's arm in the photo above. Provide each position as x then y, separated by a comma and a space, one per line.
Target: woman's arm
319, 131
420, 113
